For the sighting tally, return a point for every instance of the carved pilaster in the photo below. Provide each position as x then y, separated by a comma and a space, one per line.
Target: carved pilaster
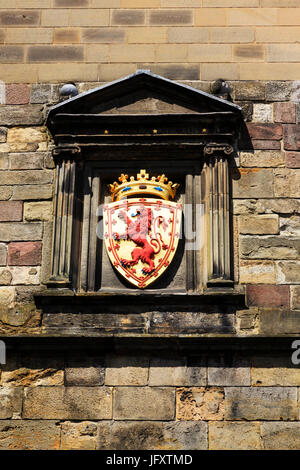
63, 224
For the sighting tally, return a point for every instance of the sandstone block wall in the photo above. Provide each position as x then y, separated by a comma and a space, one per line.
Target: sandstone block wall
190, 40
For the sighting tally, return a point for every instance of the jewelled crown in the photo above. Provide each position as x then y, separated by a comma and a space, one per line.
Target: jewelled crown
156, 186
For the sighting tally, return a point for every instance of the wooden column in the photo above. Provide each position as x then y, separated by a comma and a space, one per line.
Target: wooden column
217, 179
64, 207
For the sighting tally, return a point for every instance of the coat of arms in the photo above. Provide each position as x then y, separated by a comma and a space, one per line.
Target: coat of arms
141, 233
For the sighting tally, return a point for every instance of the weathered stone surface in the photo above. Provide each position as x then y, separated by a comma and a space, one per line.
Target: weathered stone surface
3, 134
262, 112
228, 370
286, 182
3, 254
126, 370
11, 211
247, 321
27, 160
7, 296
285, 112
259, 224
144, 403
26, 134
200, 403
30, 191
250, 91
253, 183
265, 131
295, 297
262, 159
191, 322
25, 275
40, 93
268, 296
25, 377
290, 226
24, 253
5, 193
145, 435
234, 436
17, 93
261, 403
278, 91
274, 322
26, 177
269, 248
14, 231
274, 371
264, 145
279, 206
293, 159
244, 206
88, 371
288, 272
3, 161
280, 436
78, 436
291, 135
68, 403
177, 372
29, 435
38, 211
5, 277
21, 115
19, 315
257, 272
10, 402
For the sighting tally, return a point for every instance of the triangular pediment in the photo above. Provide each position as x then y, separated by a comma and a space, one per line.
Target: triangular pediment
143, 93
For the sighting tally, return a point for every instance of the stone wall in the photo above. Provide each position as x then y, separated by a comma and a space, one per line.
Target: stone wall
182, 39
120, 402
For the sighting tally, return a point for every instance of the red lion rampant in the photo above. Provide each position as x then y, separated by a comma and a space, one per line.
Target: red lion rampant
137, 231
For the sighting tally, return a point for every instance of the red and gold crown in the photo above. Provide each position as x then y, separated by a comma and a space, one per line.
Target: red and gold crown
156, 186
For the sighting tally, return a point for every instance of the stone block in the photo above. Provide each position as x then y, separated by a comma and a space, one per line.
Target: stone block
3, 134
23, 115
275, 322
285, 112
290, 226
170, 17
244, 206
172, 371
26, 161
200, 403
291, 136
268, 296
295, 297
78, 436
28, 372
227, 370
19, 17
209, 17
26, 134
274, 371
253, 183
231, 35
12, 54
7, 296
84, 403
278, 90
269, 248
264, 131
144, 403
187, 35
288, 272
257, 272
11, 211
84, 372
262, 112
29, 36
29, 435
262, 159
234, 436
40, 93
89, 17
259, 224
191, 323
25, 275
32, 192
248, 53
10, 402
128, 17
293, 159
280, 436
209, 52
126, 370
24, 253
5, 277
3, 254
17, 93
53, 53
111, 35
266, 145
26, 177
38, 211
250, 91
261, 403
149, 435
280, 206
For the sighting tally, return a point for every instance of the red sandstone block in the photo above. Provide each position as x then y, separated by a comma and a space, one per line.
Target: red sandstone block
268, 295
292, 159
291, 135
24, 253
266, 144
11, 211
264, 131
17, 93
285, 112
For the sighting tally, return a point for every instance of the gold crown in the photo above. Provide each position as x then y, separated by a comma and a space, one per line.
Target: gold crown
157, 186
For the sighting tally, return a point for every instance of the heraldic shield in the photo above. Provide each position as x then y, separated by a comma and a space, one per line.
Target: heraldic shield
141, 233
